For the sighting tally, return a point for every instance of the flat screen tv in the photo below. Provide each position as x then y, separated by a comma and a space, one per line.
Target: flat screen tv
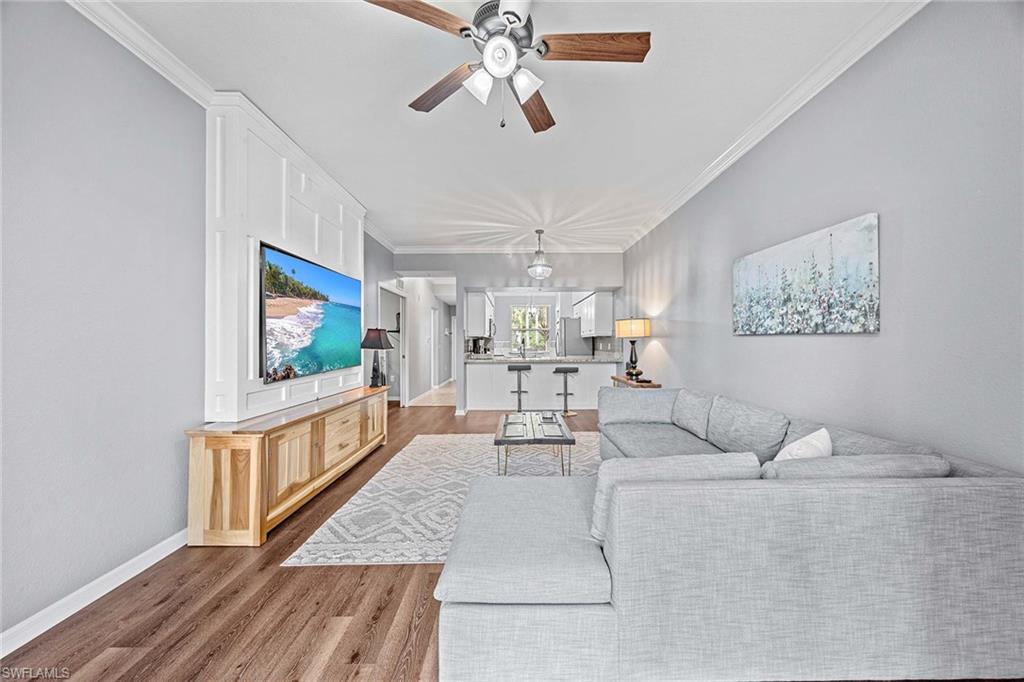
311, 317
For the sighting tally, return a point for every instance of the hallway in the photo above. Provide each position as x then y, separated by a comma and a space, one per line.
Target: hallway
443, 395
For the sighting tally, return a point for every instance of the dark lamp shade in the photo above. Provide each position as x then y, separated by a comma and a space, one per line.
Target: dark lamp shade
376, 339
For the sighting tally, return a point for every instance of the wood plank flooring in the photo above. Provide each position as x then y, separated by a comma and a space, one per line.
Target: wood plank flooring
211, 613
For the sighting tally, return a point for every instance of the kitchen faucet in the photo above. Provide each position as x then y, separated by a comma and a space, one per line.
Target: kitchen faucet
522, 346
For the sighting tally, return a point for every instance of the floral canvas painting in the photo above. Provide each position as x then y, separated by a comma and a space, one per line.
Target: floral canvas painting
825, 282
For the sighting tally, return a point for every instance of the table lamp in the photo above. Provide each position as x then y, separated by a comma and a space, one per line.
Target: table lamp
634, 328
376, 340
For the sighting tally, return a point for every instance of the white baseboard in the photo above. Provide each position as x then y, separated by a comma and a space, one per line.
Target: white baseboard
460, 413
20, 634
446, 381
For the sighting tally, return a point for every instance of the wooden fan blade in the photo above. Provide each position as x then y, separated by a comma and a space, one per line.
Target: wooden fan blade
425, 12
443, 89
598, 47
537, 113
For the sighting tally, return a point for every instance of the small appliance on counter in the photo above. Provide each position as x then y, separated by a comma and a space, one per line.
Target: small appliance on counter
479, 345
569, 339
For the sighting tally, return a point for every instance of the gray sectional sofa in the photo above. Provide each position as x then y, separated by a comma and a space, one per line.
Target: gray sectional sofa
738, 576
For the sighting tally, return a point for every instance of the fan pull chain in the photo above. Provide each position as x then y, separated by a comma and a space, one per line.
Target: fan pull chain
502, 123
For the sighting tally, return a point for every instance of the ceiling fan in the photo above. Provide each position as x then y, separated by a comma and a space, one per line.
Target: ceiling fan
502, 30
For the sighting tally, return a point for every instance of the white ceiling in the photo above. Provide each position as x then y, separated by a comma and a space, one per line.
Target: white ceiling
629, 139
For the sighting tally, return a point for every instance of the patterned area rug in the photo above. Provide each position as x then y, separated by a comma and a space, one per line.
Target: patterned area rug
407, 513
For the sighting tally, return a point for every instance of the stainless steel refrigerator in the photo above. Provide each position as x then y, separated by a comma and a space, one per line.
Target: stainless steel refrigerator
569, 340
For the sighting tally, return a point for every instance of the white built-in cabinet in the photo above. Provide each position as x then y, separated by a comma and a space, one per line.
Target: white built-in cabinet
261, 186
479, 314
597, 317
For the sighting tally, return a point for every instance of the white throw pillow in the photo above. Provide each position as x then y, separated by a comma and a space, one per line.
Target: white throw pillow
817, 444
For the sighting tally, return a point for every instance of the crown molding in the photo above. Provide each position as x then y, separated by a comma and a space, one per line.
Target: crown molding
119, 26
457, 249
112, 20
139, 42
871, 33
378, 234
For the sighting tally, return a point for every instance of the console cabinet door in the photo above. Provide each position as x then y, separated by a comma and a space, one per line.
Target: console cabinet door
290, 463
374, 417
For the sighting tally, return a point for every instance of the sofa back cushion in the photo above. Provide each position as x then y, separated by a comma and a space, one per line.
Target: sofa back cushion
632, 405
691, 411
723, 466
859, 466
850, 442
738, 427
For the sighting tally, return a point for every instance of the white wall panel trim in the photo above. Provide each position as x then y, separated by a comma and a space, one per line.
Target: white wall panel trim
270, 192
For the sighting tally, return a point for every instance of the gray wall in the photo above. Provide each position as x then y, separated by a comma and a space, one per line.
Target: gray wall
378, 266
103, 214
925, 130
479, 271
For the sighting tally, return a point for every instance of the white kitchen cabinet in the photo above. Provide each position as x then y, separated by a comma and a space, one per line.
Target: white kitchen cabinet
596, 314
491, 326
479, 314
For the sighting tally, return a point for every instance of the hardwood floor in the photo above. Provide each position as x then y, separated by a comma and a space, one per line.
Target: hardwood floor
215, 613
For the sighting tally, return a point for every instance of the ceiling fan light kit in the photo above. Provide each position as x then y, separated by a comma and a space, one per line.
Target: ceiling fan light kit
500, 56
479, 84
503, 33
525, 83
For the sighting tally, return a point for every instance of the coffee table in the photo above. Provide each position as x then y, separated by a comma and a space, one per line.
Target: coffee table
535, 428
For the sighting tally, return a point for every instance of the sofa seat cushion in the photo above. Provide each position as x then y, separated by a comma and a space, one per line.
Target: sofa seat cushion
656, 440
859, 466
720, 466
738, 427
850, 442
526, 540
691, 411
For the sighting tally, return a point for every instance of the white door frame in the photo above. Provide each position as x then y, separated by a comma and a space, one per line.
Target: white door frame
435, 322
403, 370
451, 374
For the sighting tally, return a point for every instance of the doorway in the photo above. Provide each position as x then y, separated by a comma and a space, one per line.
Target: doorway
391, 316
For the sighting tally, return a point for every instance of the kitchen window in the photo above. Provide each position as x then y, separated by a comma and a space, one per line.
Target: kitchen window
530, 322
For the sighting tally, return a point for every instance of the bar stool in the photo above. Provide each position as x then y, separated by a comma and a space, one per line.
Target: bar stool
519, 369
565, 372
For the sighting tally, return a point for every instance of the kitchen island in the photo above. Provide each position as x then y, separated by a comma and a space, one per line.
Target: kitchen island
489, 384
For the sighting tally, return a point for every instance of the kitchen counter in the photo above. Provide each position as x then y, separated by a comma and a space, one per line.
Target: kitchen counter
567, 360
490, 385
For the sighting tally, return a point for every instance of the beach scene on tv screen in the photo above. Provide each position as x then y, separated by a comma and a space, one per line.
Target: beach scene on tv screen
311, 318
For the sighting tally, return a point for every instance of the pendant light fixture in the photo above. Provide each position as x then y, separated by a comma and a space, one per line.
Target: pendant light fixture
539, 269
